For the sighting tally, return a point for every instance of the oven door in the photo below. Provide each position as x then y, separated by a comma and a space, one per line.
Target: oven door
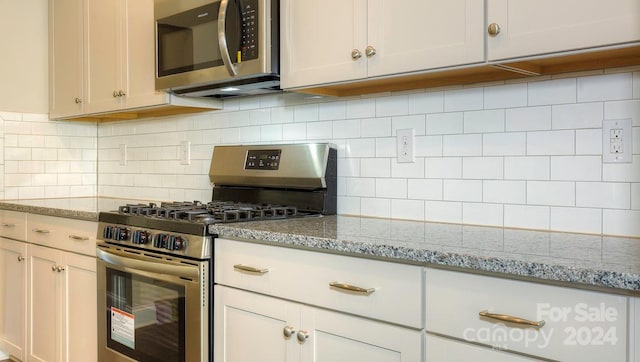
152, 307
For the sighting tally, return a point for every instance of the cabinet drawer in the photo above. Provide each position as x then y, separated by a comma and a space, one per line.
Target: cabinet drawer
438, 349
579, 325
13, 224
78, 236
305, 276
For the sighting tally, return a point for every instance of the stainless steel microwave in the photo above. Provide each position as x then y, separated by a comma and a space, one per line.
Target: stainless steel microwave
217, 48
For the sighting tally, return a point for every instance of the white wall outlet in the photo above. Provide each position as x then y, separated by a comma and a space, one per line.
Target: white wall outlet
185, 152
123, 155
617, 142
405, 141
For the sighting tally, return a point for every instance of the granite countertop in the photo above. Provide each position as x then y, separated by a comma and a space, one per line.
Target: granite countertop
588, 261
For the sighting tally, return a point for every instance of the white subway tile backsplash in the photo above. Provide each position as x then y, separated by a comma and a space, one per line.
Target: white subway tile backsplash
374, 167
605, 87
463, 99
482, 214
462, 145
361, 108
483, 168
376, 127
504, 144
578, 168
623, 109
443, 168
636, 140
424, 103
576, 219
375, 207
363, 147
392, 106
635, 196
291, 131
622, 172
362, 187
407, 170
505, 96
551, 143
444, 123
463, 190
390, 188
621, 222
577, 116
428, 146
348, 205
332, 111
346, 129
605, 195
551, 193
417, 122
527, 168
443, 211
424, 189
636, 85
486, 121
528, 217
589, 142
528, 119
504, 192
556, 91
305, 113
407, 209
350, 167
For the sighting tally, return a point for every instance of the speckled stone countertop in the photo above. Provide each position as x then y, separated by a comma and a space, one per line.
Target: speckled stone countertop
586, 261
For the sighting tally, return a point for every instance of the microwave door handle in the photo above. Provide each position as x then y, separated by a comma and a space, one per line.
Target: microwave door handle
130, 261
222, 37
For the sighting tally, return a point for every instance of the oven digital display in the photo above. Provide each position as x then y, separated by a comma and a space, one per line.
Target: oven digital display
262, 160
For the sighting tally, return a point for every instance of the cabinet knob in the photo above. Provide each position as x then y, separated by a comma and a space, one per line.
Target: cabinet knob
78, 100
356, 54
60, 268
54, 267
494, 29
288, 331
121, 93
302, 336
370, 51
20, 258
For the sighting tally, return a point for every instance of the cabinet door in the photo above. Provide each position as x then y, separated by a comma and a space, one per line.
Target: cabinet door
66, 21
103, 55
13, 297
529, 27
335, 336
249, 327
138, 56
45, 333
317, 38
79, 304
415, 35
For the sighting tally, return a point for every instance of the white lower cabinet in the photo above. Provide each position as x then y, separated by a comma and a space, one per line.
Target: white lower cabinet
538, 320
440, 349
13, 297
61, 306
293, 305
252, 327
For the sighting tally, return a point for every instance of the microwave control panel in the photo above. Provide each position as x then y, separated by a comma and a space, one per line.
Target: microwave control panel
249, 19
262, 160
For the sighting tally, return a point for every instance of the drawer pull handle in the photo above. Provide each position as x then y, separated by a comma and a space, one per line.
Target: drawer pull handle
352, 288
250, 269
40, 231
511, 319
80, 238
8, 225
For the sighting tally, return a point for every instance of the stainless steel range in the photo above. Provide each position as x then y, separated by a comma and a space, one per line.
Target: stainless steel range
155, 259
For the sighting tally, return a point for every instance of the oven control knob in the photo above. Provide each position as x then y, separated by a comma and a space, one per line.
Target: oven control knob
174, 243
121, 234
159, 241
140, 237
107, 233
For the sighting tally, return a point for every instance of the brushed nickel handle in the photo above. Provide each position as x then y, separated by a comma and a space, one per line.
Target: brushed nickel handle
79, 238
40, 231
370, 51
250, 269
356, 54
288, 331
20, 258
121, 93
78, 100
8, 225
511, 319
494, 29
302, 336
352, 288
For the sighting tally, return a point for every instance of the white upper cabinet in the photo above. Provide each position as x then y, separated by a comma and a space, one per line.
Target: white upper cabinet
335, 41
531, 27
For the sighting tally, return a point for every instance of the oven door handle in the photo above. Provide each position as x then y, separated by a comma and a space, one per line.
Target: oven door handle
222, 38
134, 262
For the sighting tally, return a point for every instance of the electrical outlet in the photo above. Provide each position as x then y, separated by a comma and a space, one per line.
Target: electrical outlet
405, 141
185, 153
617, 141
123, 155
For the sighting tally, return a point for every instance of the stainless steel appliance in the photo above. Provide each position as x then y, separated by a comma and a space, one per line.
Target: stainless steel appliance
217, 47
155, 260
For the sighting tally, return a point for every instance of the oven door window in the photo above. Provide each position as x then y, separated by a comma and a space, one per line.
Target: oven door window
188, 41
145, 317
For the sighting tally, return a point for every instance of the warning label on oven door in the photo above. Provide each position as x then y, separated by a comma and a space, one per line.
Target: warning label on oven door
123, 327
